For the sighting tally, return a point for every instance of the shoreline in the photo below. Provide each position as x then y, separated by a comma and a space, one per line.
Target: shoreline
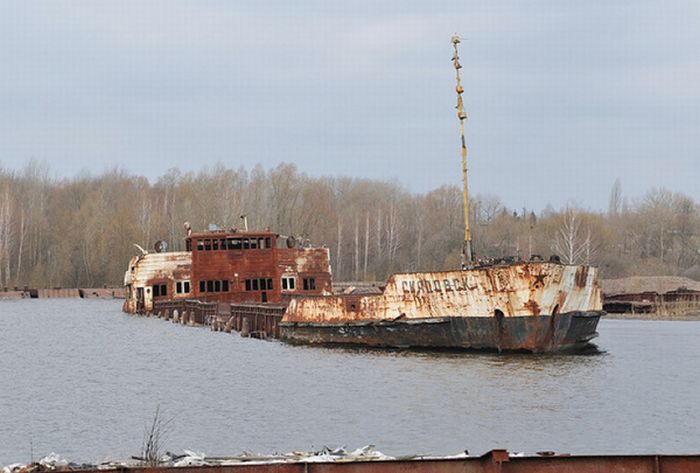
677, 317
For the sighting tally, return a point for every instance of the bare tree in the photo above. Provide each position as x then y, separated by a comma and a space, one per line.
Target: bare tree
568, 244
357, 249
338, 252
6, 232
22, 235
364, 266
615, 203
393, 231
378, 235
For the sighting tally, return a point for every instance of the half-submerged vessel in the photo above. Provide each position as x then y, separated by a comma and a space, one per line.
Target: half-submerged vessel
510, 305
524, 306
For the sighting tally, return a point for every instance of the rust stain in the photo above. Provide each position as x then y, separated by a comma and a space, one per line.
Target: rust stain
533, 307
581, 276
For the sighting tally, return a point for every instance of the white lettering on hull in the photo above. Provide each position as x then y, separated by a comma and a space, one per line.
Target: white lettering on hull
419, 286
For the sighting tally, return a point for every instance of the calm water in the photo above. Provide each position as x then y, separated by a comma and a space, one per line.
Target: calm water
80, 378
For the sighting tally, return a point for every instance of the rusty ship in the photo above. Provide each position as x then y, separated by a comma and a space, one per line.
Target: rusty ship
226, 266
532, 305
277, 287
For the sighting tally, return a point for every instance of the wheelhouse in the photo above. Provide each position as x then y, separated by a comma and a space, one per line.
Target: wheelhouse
255, 267
228, 266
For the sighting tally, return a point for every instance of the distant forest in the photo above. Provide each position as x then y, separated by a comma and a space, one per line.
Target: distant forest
80, 232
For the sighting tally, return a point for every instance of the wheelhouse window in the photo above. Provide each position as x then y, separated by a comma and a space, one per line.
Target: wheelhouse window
289, 283
259, 284
160, 290
217, 285
309, 284
182, 287
249, 243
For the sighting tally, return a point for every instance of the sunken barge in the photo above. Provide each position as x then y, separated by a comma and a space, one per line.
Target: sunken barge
278, 288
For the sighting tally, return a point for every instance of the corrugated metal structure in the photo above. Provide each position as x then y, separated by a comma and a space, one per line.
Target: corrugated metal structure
661, 295
102, 293
62, 293
58, 293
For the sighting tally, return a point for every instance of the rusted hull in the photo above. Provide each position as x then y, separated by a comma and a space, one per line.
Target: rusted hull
569, 331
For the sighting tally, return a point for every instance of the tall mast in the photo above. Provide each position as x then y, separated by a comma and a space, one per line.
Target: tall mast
467, 255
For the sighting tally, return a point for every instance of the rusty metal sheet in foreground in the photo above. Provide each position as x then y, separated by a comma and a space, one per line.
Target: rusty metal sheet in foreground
495, 461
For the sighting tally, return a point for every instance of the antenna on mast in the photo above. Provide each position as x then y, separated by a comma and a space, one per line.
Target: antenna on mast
467, 254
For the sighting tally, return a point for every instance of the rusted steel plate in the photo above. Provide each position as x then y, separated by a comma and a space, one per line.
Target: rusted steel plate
518, 290
102, 292
569, 331
58, 293
493, 462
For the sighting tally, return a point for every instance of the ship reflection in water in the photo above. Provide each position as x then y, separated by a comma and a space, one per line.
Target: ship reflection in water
81, 378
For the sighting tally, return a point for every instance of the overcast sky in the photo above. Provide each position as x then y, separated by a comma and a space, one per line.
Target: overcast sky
563, 97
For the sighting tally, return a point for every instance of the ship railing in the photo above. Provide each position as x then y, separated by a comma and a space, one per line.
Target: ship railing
186, 311
256, 320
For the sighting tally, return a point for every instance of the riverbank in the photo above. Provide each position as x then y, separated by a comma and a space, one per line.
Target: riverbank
695, 316
61, 293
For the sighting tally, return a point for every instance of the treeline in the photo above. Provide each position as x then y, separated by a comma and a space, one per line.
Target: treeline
80, 232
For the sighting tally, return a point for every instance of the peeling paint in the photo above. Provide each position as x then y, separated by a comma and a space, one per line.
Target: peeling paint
533, 306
